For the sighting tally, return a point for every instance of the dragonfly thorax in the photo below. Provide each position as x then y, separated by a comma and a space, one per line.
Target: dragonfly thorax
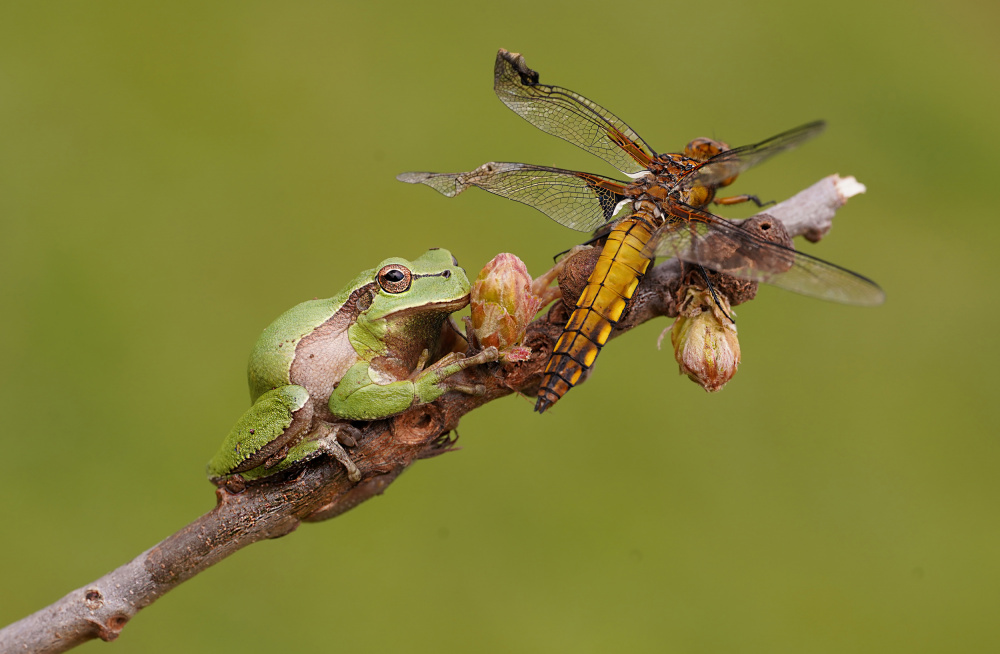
664, 189
675, 164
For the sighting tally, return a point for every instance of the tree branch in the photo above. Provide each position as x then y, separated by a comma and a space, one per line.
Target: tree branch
320, 490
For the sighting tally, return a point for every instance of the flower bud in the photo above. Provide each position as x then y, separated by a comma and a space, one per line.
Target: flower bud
704, 338
503, 305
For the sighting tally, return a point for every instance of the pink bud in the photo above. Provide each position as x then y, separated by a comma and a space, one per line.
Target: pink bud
503, 304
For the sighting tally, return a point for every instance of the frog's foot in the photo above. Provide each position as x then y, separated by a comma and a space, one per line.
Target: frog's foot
448, 361
430, 384
331, 445
455, 362
469, 389
487, 355
347, 435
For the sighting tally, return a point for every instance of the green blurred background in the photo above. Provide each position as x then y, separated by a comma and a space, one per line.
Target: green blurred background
174, 176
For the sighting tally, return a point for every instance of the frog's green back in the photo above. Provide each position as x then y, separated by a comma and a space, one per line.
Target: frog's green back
271, 358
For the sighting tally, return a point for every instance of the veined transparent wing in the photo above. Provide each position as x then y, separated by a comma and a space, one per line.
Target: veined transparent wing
580, 201
716, 243
733, 162
569, 115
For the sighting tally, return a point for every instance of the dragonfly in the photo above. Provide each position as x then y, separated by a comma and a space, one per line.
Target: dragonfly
661, 211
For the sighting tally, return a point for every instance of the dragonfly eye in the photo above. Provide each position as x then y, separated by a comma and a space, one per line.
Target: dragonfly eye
703, 149
394, 278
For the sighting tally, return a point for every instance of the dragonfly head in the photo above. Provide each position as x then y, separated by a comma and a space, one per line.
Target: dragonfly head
703, 149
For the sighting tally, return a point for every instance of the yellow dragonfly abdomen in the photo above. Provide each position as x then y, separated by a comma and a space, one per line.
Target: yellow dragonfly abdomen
622, 263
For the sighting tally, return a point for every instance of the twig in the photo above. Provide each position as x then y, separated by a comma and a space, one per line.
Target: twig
277, 505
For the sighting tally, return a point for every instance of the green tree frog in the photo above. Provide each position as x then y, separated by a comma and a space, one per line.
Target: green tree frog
360, 355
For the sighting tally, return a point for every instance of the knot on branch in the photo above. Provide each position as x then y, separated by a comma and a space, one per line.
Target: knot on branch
418, 425
107, 626
93, 599
111, 628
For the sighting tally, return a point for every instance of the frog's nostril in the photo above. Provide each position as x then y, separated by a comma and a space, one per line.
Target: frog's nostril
446, 274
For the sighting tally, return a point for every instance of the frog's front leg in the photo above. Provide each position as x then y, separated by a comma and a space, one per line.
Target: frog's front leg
360, 396
431, 382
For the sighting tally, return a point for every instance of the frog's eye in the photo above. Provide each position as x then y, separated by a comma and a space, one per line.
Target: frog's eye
394, 278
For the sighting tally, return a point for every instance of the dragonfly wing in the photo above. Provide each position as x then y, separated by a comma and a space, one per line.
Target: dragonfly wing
731, 163
720, 245
447, 184
580, 201
569, 115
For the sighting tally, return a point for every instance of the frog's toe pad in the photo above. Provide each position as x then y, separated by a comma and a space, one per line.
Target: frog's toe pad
488, 355
470, 389
331, 446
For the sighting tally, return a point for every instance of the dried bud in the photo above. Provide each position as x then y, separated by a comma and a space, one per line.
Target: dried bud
704, 338
503, 305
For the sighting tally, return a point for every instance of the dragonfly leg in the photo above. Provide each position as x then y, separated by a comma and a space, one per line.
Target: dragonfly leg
738, 199
593, 240
711, 289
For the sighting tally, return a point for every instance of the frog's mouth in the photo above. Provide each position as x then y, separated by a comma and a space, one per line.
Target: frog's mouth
446, 306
